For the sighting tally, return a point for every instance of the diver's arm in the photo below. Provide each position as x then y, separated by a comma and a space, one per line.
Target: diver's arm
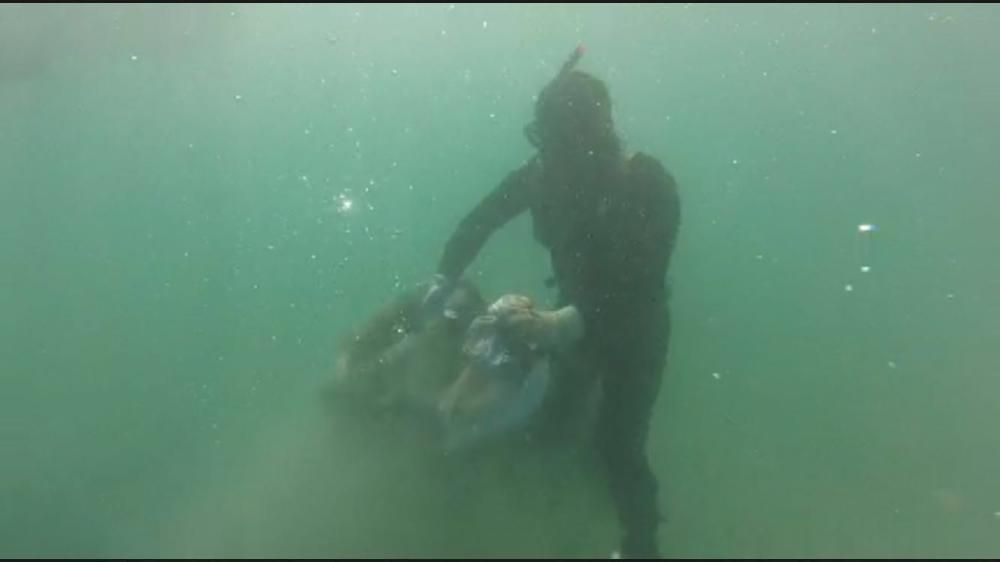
654, 228
506, 201
566, 328
547, 330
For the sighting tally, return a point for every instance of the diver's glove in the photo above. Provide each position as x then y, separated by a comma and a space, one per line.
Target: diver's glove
547, 330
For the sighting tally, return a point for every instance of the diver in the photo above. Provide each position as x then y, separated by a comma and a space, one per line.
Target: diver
609, 221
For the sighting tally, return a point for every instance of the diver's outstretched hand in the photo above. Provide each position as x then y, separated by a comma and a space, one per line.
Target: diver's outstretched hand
544, 329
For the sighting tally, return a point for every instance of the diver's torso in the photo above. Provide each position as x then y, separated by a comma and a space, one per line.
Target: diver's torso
586, 232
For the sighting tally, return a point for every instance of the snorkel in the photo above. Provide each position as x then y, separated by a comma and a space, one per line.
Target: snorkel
570, 63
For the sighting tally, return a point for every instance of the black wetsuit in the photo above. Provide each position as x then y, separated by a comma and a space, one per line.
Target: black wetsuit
610, 251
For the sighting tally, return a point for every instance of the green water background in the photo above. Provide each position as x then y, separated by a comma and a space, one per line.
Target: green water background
178, 261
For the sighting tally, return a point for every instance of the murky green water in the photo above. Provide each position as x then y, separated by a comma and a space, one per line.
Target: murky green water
179, 260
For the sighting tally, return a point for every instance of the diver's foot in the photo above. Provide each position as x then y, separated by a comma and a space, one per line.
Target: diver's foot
634, 548
617, 555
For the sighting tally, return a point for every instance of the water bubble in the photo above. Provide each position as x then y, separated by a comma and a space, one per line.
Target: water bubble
865, 246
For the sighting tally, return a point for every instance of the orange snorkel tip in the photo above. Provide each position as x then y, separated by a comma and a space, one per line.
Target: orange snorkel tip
574, 58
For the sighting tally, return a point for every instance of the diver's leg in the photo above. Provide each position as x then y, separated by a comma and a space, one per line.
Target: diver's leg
630, 390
